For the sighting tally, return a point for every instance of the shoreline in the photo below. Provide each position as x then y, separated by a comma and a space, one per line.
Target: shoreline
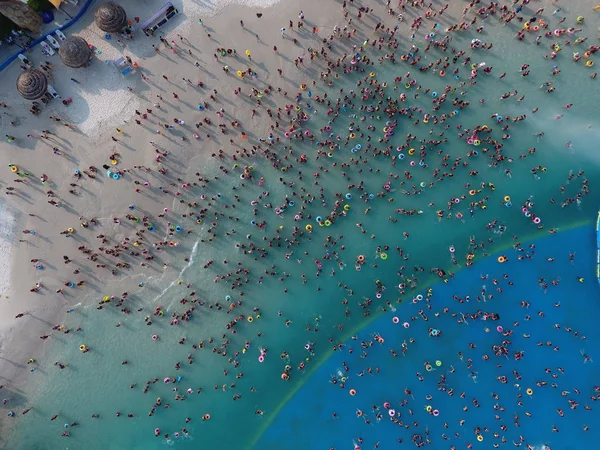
93, 116
7, 235
103, 198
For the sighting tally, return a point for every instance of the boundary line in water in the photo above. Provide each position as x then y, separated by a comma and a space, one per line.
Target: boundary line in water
598, 248
319, 362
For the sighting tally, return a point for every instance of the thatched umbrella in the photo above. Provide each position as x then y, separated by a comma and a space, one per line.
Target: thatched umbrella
74, 52
110, 17
32, 84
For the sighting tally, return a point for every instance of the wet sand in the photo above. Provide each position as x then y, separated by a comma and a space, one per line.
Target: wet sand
92, 204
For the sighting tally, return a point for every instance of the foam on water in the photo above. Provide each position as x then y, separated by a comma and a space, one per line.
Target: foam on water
327, 306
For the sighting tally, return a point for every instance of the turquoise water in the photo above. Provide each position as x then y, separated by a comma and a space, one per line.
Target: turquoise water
329, 307
313, 406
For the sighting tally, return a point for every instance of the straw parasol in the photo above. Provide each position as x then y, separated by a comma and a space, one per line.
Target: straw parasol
74, 52
110, 17
32, 84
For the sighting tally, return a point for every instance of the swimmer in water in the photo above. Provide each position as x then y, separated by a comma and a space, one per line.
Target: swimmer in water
586, 358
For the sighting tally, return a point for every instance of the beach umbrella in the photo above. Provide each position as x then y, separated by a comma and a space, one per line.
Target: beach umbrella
32, 84
110, 17
74, 52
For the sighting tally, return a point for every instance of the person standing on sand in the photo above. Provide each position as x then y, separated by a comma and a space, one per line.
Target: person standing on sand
278, 161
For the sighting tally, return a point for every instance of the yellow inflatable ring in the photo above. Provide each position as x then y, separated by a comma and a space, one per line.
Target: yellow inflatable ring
372, 74
507, 198
479, 438
411, 151
82, 347
14, 169
309, 227
529, 391
114, 162
589, 63
70, 230
250, 319
346, 207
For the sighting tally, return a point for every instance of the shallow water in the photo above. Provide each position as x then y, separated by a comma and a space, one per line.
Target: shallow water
97, 382
311, 408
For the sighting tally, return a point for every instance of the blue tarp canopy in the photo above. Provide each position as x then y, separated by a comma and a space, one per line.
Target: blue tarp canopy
123, 65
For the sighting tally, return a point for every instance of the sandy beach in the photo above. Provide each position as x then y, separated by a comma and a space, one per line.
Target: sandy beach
59, 220
102, 104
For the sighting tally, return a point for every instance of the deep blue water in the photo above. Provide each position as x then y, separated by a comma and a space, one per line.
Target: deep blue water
306, 421
552, 172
